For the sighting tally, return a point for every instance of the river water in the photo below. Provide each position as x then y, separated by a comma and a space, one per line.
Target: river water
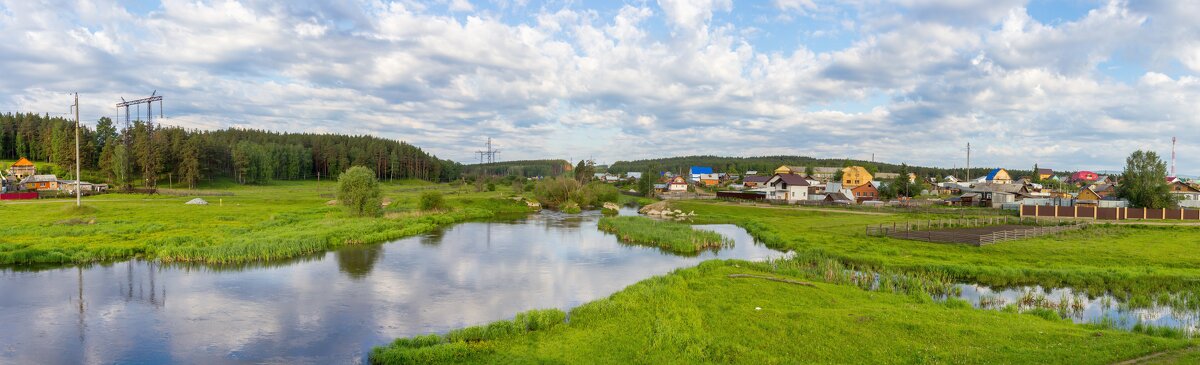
328, 308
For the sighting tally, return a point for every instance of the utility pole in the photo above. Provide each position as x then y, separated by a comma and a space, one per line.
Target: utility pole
1173, 157
968, 162
78, 196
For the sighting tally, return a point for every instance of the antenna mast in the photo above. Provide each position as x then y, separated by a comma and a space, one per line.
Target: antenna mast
1173, 157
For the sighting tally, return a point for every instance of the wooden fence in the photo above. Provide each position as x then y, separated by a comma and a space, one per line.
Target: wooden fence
734, 195
974, 231
1098, 213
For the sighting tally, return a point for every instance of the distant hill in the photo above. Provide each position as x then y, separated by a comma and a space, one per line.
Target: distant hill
524, 168
766, 165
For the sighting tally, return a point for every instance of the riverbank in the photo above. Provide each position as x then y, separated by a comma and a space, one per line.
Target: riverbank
702, 314
1125, 259
240, 224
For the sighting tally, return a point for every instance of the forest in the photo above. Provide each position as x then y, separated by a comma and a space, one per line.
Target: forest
145, 154
522, 168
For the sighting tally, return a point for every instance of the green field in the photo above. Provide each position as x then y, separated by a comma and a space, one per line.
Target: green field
1104, 257
243, 223
701, 315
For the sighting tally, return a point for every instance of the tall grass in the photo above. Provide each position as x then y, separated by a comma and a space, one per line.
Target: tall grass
672, 236
462, 344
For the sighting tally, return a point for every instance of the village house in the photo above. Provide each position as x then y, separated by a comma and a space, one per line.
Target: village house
1104, 190
866, 192
696, 171
22, 169
855, 176
1083, 176
788, 187
998, 176
1188, 195
40, 182
633, 175
754, 181
824, 173
710, 179
1044, 174
677, 184
68, 186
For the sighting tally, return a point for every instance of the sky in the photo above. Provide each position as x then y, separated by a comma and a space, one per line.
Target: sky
1068, 84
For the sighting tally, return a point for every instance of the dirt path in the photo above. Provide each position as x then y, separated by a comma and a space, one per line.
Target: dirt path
1162, 357
768, 206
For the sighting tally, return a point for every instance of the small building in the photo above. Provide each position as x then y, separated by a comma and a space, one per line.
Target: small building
710, 179
789, 170
1087, 197
40, 182
1104, 190
754, 181
824, 173
752, 172
1044, 174
677, 185
633, 175
660, 188
788, 187
99, 188
865, 192
22, 169
1185, 192
998, 176
696, 171
1083, 176
68, 186
855, 176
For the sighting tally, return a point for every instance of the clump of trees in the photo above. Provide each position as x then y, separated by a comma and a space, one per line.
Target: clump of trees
358, 191
1144, 182
432, 200
561, 193
145, 153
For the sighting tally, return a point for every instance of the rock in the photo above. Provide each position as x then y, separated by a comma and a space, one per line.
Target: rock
331, 202
667, 213
653, 212
613, 206
197, 201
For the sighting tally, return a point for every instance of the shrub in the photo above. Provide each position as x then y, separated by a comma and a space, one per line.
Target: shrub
432, 200
571, 208
359, 192
491, 186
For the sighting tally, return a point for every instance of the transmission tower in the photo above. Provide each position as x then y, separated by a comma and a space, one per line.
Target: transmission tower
489, 154
138, 103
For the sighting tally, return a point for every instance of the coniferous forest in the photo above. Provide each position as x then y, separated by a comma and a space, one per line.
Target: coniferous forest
146, 154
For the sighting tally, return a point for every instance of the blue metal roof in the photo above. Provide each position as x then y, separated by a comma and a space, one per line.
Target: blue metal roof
701, 170
992, 175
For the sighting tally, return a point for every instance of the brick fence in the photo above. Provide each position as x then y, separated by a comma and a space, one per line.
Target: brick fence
1109, 213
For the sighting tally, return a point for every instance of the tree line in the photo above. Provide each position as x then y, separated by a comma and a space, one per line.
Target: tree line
523, 168
145, 154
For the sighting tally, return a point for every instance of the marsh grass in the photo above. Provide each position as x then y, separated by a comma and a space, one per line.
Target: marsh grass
259, 223
672, 236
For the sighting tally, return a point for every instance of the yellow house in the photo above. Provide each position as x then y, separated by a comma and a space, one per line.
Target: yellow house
855, 176
999, 176
789, 170
22, 168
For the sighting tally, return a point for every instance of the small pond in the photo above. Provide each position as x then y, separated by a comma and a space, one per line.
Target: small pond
327, 308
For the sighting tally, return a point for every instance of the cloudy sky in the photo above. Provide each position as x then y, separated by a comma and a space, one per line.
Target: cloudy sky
1071, 84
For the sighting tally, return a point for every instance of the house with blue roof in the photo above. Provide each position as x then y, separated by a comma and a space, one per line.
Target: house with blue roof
998, 176
696, 171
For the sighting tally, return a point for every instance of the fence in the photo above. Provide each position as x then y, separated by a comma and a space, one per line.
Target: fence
976, 231
19, 196
1098, 213
731, 195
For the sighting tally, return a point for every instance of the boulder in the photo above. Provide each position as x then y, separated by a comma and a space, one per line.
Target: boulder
613, 206
197, 201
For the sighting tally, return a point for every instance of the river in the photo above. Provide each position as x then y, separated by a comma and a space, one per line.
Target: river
326, 308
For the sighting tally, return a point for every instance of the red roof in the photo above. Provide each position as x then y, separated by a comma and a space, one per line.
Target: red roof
1084, 176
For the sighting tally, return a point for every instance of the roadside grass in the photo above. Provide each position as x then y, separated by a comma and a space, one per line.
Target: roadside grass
701, 315
281, 220
1133, 259
671, 236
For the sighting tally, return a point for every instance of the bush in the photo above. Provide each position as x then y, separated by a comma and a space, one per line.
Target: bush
571, 208
359, 192
432, 200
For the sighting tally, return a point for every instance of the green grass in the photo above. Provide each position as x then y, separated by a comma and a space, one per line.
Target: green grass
281, 220
700, 315
1105, 257
672, 236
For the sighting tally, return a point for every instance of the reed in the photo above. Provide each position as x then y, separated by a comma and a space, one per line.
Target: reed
672, 236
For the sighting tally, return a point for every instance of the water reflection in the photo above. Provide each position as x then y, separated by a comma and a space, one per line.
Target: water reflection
325, 308
1081, 308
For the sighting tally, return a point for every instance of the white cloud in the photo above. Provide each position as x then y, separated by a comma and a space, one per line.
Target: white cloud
918, 79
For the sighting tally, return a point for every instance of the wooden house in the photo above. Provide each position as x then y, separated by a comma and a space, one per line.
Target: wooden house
754, 181
855, 176
865, 192
677, 184
998, 176
1184, 191
710, 179
22, 169
40, 182
1044, 174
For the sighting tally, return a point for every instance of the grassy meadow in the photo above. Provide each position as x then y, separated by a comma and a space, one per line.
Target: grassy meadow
242, 223
671, 236
703, 315
1102, 257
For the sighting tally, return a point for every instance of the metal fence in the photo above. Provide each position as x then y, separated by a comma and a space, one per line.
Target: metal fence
1108, 213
